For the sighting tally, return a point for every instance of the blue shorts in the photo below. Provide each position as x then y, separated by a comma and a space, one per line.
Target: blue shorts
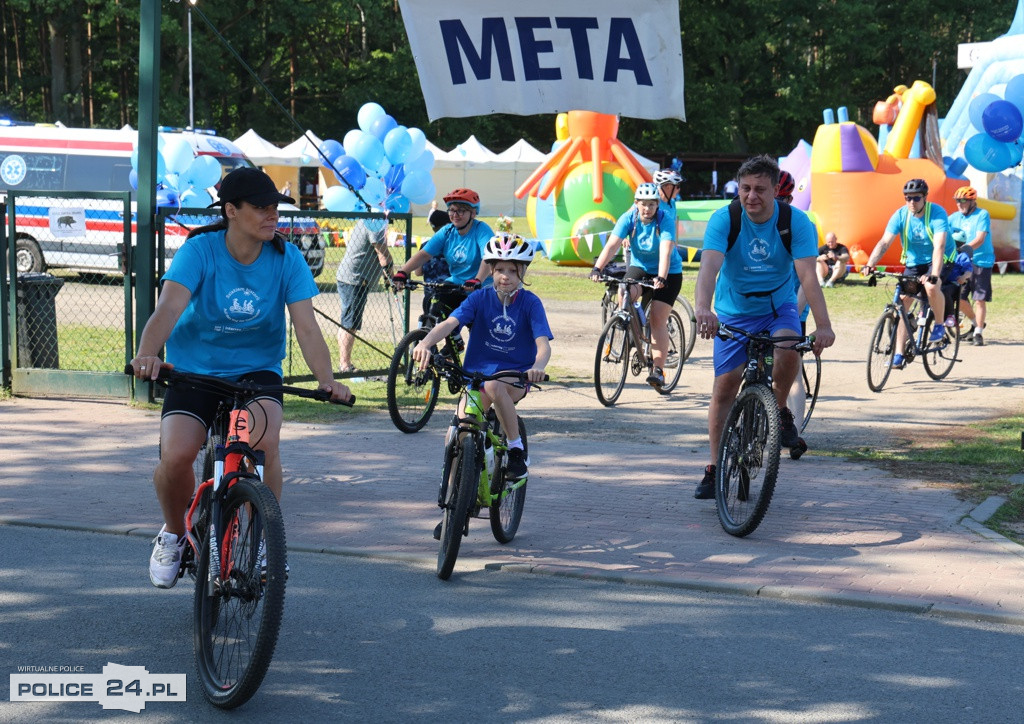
732, 353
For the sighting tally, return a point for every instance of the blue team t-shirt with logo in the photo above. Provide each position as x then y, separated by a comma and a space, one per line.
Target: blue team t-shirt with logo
971, 224
463, 253
758, 262
502, 337
235, 322
919, 246
645, 241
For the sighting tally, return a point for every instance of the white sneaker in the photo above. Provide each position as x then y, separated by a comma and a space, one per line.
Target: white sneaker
165, 561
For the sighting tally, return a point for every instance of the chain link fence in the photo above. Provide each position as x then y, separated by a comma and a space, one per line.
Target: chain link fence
73, 309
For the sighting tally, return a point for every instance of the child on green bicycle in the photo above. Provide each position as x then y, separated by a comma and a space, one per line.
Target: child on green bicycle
508, 331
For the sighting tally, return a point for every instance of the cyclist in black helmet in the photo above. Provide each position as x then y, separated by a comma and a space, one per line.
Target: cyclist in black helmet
928, 251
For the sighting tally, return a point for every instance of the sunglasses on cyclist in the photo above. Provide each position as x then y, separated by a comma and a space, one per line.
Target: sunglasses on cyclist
915, 199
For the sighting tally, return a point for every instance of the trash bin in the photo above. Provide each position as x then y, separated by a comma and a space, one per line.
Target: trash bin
37, 320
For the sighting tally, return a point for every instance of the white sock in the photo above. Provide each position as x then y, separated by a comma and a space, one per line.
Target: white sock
517, 444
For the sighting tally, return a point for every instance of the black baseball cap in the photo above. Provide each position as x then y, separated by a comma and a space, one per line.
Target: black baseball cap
252, 185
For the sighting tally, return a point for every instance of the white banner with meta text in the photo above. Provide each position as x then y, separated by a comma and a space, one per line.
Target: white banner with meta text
539, 56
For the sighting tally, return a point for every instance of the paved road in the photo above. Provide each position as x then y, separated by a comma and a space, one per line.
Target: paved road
370, 641
621, 508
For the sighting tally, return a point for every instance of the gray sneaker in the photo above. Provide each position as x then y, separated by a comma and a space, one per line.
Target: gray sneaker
165, 561
656, 378
978, 340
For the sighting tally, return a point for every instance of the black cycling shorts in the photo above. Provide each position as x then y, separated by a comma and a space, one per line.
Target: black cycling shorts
183, 399
666, 294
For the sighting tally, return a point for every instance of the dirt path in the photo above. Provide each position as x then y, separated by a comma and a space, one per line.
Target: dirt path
988, 382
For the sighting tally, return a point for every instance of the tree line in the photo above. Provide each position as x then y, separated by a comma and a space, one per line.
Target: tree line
758, 73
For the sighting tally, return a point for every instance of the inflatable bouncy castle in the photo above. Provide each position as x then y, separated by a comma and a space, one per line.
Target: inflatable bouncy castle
576, 195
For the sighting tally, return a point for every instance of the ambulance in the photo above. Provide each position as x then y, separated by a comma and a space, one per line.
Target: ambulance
85, 235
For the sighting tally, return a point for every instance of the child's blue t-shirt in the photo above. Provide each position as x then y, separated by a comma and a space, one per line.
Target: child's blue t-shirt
502, 338
758, 262
235, 322
463, 253
645, 241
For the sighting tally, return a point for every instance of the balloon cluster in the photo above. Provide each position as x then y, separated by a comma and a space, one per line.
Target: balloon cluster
1000, 146
182, 177
388, 164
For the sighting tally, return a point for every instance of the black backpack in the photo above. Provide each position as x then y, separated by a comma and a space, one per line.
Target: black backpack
784, 224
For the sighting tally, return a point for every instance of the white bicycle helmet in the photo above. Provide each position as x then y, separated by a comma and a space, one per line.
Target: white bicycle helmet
646, 192
667, 176
508, 247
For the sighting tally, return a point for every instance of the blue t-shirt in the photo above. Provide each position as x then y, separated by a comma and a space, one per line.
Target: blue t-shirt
645, 241
502, 338
234, 323
669, 209
961, 265
758, 262
463, 253
970, 225
918, 248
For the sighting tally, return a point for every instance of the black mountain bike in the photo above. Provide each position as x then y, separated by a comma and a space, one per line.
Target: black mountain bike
938, 356
625, 346
748, 454
236, 546
412, 392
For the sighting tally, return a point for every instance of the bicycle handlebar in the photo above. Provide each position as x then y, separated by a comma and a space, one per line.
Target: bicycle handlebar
439, 360
242, 387
433, 286
605, 279
728, 331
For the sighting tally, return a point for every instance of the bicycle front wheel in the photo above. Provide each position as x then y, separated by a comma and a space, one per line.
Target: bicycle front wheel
810, 372
237, 617
461, 494
940, 356
412, 392
690, 322
506, 510
676, 351
748, 461
612, 361
881, 350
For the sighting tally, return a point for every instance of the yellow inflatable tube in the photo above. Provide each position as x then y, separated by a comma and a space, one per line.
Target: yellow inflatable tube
901, 137
997, 209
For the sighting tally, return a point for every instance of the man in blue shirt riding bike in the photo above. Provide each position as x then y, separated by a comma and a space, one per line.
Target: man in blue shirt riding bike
928, 249
752, 284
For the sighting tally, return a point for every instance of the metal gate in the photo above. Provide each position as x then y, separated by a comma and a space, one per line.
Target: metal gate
68, 309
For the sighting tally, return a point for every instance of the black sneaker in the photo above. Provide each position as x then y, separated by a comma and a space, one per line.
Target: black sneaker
788, 434
706, 489
656, 379
516, 468
437, 532
978, 340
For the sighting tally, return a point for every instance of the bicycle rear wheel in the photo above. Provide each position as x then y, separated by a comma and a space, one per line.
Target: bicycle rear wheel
506, 510
609, 303
676, 351
882, 349
939, 357
811, 374
611, 361
237, 618
412, 392
690, 323
748, 461
461, 494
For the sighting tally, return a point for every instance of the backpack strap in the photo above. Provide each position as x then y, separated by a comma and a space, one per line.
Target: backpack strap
784, 225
